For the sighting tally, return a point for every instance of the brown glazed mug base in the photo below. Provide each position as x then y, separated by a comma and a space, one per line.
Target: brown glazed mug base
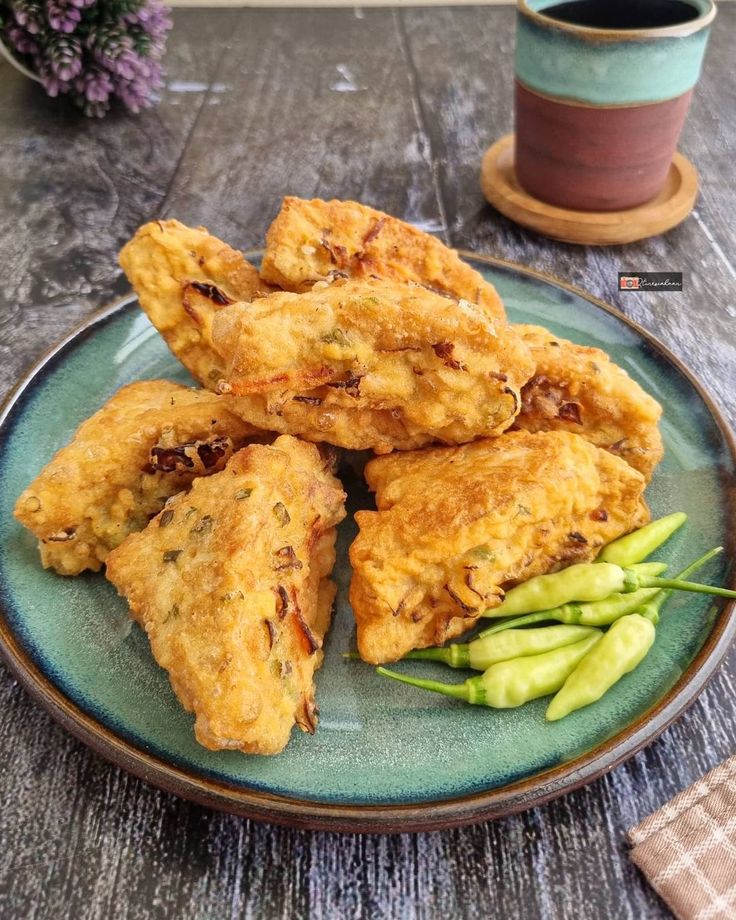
594, 158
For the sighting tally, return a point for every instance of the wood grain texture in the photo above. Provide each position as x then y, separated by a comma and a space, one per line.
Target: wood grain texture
394, 108
502, 189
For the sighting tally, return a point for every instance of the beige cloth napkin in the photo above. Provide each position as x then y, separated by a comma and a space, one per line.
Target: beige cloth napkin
687, 849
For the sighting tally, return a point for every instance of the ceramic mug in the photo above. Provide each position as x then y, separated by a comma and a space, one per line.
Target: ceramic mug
599, 111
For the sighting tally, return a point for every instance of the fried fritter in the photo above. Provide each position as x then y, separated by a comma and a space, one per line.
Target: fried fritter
230, 582
579, 389
182, 277
322, 240
378, 365
455, 526
147, 443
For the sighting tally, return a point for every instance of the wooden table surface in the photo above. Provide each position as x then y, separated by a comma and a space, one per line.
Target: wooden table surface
394, 109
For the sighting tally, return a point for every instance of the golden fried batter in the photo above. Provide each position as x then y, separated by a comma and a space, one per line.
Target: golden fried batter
230, 584
579, 389
456, 525
322, 240
377, 365
182, 278
144, 445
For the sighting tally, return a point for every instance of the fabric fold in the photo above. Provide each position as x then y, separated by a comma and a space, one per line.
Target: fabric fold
687, 849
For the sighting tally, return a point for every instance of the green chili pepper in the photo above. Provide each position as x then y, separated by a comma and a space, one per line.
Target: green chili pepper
621, 649
607, 611
595, 613
588, 582
481, 653
582, 582
638, 545
511, 683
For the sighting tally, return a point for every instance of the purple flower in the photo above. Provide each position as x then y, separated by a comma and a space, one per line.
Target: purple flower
95, 85
64, 55
53, 85
154, 17
126, 65
21, 40
94, 50
27, 19
67, 69
62, 17
133, 96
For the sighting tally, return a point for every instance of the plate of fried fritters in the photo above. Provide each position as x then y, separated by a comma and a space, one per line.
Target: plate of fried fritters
227, 488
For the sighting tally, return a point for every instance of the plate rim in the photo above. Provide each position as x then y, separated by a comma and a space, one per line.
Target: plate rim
459, 811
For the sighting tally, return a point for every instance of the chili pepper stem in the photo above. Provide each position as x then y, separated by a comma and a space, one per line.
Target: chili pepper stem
650, 581
457, 691
456, 656
428, 654
651, 609
541, 616
699, 563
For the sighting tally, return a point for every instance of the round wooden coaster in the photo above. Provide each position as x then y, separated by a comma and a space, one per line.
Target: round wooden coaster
593, 228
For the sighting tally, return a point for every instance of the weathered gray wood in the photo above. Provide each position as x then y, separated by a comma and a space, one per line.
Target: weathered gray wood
73, 189
394, 108
314, 104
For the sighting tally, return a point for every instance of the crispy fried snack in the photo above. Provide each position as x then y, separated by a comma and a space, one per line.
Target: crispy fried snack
377, 365
182, 278
322, 240
230, 584
455, 526
144, 445
580, 389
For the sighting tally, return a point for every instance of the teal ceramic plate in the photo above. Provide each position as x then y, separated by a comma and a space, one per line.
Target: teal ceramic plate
385, 756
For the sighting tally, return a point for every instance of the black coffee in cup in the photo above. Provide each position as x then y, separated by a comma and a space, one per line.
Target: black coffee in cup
622, 14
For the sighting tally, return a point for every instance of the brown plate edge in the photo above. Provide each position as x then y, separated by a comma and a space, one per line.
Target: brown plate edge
426, 816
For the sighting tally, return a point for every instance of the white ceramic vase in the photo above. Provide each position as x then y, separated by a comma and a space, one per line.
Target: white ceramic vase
6, 53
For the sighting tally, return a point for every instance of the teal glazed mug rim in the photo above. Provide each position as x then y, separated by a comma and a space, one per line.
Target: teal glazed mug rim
707, 13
